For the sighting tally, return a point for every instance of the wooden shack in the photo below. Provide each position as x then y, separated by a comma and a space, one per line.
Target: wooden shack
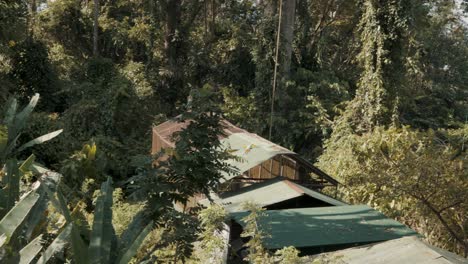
260, 159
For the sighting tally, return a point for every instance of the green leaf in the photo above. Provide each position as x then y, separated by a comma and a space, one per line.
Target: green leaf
9, 148
139, 221
30, 251
80, 252
103, 231
3, 239
21, 117
18, 121
15, 217
40, 140
128, 254
57, 245
37, 216
39, 168
26, 165
10, 114
11, 181
59, 203
3, 138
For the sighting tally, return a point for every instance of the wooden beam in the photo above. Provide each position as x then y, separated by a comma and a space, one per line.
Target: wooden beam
260, 171
281, 166
315, 170
295, 170
271, 168
304, 183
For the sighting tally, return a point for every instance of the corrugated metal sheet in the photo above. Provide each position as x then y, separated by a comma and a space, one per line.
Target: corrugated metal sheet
404, 250
267, 193
167, 129
319, 196
327, 226
251, 151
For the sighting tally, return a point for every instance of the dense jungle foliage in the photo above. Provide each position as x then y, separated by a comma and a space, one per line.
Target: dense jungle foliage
374, 92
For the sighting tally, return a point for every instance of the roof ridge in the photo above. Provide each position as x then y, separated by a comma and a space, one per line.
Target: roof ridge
251, 187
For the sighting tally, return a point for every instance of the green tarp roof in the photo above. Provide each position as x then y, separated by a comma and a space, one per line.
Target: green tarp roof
404, 250
327, 226
267, 193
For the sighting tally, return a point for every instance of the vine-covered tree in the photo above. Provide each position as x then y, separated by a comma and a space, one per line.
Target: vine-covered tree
360, 72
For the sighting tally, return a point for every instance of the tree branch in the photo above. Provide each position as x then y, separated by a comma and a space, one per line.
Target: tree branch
447, 207
444, 223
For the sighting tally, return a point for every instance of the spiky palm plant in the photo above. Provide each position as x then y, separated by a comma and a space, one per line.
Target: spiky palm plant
19, 239
104, 246
11, 128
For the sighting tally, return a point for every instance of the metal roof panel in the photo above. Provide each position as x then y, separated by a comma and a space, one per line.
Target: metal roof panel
327, 226
267, 193
251, 151
396, 251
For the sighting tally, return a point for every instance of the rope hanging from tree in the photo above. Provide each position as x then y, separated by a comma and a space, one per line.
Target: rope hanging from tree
275, 73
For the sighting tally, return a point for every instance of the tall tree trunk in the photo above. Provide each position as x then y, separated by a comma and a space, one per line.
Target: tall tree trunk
177, 34
32, 16
210, 10
171, 41
96, 28
149, 62
33, 6
287, 37
270, 7
211, 22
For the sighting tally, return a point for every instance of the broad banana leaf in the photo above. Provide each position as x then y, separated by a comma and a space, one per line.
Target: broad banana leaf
129, 252
57, 245
102, 233
30, 251
15, 217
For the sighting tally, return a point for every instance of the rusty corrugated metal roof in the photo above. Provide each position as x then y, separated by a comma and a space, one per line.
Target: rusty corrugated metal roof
251, 148
168, 128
